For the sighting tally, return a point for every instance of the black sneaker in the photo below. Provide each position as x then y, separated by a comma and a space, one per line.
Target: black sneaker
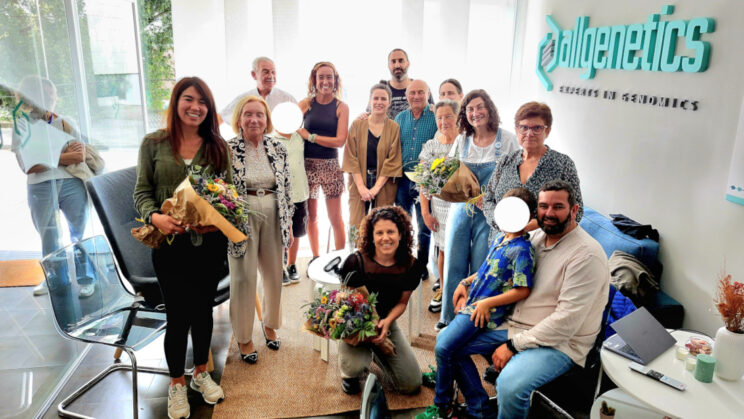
436, 286
351, 385
490, 375
285, 278
294, 276
439, 326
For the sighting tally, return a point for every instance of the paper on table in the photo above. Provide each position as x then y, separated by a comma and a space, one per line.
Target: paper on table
43, 145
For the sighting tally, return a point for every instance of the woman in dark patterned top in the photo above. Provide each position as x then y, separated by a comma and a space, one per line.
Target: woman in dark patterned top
261, 176
531, 166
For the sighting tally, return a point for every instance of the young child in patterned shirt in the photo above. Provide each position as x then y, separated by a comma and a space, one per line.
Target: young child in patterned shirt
482, 302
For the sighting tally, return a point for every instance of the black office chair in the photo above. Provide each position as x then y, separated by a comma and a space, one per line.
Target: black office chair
112, 196
111, 316
576, 389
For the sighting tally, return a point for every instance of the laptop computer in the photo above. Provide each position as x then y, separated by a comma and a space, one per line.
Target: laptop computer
640, 337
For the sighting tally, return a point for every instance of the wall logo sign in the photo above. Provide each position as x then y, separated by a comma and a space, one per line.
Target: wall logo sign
650, 46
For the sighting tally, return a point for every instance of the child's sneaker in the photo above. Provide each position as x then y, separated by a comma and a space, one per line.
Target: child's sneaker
435, 412
429, 379
210, 390
178, 403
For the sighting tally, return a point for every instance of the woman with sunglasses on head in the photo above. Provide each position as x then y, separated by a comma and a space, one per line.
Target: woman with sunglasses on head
385, 265
533, 165
325, 127
189, 268
480, 146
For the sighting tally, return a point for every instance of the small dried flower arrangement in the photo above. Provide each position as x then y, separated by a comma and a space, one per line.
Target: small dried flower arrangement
730, 303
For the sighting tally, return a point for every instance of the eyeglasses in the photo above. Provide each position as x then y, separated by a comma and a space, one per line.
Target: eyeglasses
536, 129
445, 117
470, 109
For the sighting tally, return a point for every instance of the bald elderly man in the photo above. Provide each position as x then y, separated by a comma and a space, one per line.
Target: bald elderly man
417, 126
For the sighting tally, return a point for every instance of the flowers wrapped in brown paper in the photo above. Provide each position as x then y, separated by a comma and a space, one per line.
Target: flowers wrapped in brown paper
461, 186
188, 207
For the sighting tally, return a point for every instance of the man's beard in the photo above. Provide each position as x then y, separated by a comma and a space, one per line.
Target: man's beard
399, 77
557, 228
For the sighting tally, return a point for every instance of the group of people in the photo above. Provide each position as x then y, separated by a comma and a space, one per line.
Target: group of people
531, 300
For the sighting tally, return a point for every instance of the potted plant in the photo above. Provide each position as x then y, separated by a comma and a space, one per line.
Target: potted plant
605, 411
728, 348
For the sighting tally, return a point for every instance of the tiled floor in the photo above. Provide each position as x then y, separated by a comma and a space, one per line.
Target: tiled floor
34, 357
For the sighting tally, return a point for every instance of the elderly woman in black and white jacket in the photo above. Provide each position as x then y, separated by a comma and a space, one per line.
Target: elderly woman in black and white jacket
261, 175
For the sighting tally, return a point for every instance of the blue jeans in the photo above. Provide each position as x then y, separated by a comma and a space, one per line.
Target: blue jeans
466, 249
525, 371
407, 198
45, 199
452, 341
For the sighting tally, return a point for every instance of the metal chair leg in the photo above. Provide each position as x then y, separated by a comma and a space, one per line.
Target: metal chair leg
62, 406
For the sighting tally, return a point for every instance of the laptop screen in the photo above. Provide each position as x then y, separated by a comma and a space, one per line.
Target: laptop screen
644, 334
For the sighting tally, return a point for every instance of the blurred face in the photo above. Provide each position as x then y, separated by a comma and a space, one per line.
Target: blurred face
386, 238
554, 214
446, 122
265, 76
531, 133
398, 65
379, 102
417, 95
449, 91
253, 120
325, 81
192, 108
476, 112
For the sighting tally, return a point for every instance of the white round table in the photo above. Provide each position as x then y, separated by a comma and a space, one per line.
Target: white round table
719, 399
322, 280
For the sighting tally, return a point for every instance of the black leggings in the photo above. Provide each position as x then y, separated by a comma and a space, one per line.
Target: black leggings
188, 278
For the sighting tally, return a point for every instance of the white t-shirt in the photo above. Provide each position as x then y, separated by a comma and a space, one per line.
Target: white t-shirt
275, 97
506, 144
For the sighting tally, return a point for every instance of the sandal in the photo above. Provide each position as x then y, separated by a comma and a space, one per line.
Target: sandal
271, 344
250, 358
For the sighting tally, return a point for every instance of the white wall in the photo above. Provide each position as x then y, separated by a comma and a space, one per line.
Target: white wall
666, 167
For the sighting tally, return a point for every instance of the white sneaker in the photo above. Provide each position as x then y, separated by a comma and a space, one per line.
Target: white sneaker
211, 391
87, 290
41, 289
178, 403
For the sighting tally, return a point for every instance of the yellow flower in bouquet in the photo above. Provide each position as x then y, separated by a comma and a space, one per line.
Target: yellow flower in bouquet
437, 162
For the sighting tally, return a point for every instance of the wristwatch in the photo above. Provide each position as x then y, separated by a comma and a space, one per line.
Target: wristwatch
510, 346
311, 137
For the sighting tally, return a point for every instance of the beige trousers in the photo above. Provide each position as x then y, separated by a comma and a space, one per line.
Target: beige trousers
263, 252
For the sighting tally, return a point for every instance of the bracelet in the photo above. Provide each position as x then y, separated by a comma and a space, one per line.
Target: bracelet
510, 346
311, 137
465, 283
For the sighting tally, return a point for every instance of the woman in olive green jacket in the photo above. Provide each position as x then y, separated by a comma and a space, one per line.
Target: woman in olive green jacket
189, 268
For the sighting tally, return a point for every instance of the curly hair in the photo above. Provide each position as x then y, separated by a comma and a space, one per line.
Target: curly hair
493, 114
366, 242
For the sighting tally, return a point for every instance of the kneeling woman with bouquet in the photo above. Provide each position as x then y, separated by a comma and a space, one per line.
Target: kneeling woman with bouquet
385, 265
189, 268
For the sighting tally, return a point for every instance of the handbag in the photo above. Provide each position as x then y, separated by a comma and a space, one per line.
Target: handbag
462, 185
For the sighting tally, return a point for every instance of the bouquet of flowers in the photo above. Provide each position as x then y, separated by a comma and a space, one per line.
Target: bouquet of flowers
348, 315
204, 200
730, 303
432, 177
